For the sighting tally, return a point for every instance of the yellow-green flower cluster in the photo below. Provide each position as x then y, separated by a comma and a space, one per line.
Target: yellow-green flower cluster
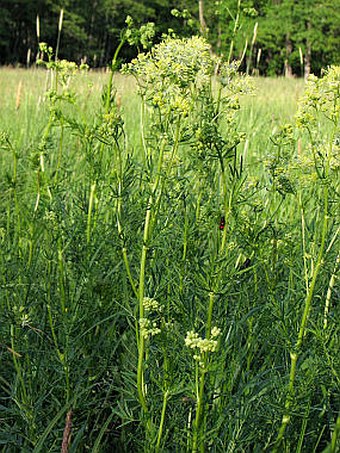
50, 217
65, 69
143, 35
150, 323
322, 96
305, 167
148, 328
151, 305
51, 221
202, 345
168, 73
231, 79
111, 125
319, 114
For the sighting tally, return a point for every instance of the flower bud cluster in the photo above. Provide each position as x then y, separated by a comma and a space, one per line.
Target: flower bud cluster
65, 69
322, 96
151, 305
167, 74
148, 328
202, 345
111, 125
150, 323
319, 115
50, 217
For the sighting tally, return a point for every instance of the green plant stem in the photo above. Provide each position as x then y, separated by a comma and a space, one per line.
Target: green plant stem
64, 309
151, 209
89, 213
128, 270
197, 440
146, 238
17, 365
228, 199
38, 192
60, 152
227, 211
161, 424
294, 355
304, 250
61, 279
334, 442
210, 313
185, 234
15, 160
329, 292
113, 68
198, 409
41, 169
120, 230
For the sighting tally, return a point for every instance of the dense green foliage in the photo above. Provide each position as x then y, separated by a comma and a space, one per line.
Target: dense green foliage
169, 260
291, 36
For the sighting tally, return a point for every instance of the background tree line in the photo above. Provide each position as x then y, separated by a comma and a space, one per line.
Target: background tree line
273, 37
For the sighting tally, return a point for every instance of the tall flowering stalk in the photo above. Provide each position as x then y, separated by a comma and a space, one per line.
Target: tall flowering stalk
176, 81
319, 108
169, 78
217, 139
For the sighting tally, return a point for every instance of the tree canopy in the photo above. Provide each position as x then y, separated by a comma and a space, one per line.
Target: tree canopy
291, 37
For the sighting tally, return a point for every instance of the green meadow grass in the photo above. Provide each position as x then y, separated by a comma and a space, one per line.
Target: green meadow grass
275, 100
89, 214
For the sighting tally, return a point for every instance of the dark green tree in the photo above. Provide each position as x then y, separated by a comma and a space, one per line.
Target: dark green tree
299, 36
292, 37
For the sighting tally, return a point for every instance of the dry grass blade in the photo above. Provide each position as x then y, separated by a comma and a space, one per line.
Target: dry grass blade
67, 432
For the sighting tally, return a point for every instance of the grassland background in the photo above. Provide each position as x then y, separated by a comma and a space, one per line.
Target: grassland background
275, 100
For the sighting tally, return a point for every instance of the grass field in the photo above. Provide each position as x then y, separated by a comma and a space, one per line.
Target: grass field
168, 263
275, 100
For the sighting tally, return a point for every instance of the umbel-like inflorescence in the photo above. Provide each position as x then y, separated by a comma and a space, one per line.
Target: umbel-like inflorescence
300, 163
150, 323
320, 108
201, 345
322, 96
151, 305
169, 73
